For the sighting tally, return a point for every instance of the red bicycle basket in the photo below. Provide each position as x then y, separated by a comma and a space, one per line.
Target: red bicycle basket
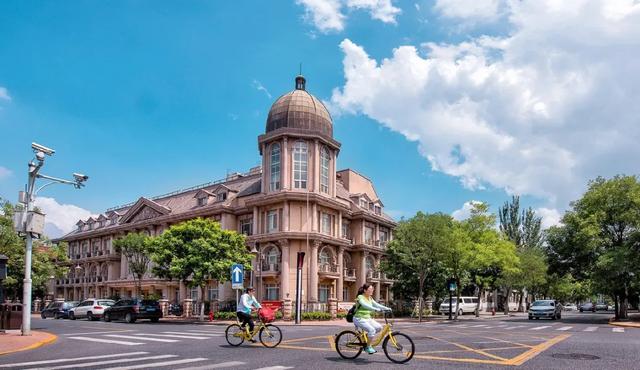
266, 314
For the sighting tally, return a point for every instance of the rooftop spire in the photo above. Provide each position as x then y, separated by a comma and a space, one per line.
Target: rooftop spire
300, 82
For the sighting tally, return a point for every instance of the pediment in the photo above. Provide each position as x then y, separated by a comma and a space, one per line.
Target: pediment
144, 209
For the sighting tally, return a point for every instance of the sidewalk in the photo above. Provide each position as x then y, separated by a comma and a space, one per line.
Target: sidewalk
632, 322
12, 341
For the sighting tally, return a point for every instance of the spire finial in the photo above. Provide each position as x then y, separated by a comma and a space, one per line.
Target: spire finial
300, 81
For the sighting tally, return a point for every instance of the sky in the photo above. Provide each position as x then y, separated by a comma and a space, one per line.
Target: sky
441, 103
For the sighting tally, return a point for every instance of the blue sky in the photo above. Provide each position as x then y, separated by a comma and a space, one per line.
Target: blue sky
147, 97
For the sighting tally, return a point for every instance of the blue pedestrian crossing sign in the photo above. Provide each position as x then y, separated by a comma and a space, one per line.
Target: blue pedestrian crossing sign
237, 276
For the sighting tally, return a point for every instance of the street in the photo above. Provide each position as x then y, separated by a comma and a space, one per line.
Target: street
579, 340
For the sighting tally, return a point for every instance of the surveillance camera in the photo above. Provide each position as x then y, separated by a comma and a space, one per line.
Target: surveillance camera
41, 148
80, 177
40, 156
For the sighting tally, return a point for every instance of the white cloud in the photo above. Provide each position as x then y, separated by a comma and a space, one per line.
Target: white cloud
328, 15
538, 112
479, 11
4, 93
550, 217
258, 86
5, 173
62, 216
464, 212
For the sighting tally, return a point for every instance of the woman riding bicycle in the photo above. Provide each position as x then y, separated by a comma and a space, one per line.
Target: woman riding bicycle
362, 318
246, 304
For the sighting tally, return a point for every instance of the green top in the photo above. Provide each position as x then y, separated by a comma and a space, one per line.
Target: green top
366, 306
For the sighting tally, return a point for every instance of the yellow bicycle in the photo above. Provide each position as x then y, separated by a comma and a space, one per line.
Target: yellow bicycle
270, 335
398, 347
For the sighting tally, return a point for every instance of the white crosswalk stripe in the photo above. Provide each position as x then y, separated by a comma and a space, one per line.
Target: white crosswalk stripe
214, 366
515, 327
149, 339
479, 326
154, 365
99, 340
540, 327
591, 328
171, 336
108, 362
565, 328
207, 331
57, 361
618, 330
193, 334
276, 368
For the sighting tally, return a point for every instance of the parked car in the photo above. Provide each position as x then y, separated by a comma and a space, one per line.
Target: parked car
91, 308
601, 307
545, 308
134, 309
588, 307
58, 310
570, 307
467, 305
611, 308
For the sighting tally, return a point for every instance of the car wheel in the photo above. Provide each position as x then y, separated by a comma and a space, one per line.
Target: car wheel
57, 316
559, 316
155, 319
107, 317
530, 318
90, 316
42, 315
129, 318
460, 312
72, 316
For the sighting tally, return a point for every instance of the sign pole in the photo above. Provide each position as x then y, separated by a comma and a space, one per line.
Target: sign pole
299, 287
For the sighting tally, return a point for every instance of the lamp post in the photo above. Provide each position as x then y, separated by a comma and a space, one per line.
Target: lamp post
31, 223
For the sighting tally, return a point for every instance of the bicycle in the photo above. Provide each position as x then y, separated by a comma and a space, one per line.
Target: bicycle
270, 335
398, 347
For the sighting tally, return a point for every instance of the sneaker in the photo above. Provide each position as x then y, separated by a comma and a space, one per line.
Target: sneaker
253, 340
370, 350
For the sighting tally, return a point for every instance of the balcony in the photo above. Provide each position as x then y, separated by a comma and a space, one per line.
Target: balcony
328, 269
269, 268
373, 275
77, 256
349, 274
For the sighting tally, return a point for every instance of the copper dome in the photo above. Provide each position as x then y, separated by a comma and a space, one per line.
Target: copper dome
301, 111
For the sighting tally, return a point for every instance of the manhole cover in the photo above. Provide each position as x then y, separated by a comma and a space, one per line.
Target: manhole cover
575, 356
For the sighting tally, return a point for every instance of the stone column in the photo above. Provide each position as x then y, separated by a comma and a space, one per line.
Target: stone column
187, 303
285, 216
284, 269
361, 276
182, 291
313, 272
340, 282
339, 233
314, 217
333, 308
284, 165
287, 309
164, 306
377, 292
256, 227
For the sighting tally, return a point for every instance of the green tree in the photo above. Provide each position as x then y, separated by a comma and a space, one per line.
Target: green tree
414, 254
196, 251
135, 248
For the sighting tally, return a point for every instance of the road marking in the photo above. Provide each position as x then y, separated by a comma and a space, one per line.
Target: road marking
565, 328
72, 359
533, 352
502, 326
151, 339
160, 364
171, 336
98, 332
194, 334
479, 326
515, 327
276, 368
591, 328
107, 362
206, 331
213, 366
618, 330
89, 339
540, 327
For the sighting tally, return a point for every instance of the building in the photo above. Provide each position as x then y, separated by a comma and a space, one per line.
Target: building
295, 201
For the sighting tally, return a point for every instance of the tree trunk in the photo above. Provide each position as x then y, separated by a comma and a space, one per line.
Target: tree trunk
479, 300
616, 307
202, 303
507, 293
624, 304
457, 298
523, 291
420, 302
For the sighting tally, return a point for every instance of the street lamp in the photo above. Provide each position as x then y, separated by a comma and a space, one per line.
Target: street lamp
30, 223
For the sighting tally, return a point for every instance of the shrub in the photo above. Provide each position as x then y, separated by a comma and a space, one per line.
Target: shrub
341, 314
322, 316
222, 315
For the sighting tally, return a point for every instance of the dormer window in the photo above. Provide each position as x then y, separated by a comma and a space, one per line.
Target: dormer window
363, 203
378, 210
202, 201
221, 196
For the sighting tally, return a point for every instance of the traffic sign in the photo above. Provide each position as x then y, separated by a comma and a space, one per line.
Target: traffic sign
452, 286
237, 276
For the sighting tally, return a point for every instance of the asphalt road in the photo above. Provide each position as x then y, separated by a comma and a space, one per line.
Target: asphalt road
578, 341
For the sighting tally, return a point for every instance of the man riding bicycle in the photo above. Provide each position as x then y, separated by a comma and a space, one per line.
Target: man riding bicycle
245, 306
362, 318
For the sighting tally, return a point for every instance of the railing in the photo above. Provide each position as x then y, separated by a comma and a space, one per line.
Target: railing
328, 268
350, 273
270, 267
373, 274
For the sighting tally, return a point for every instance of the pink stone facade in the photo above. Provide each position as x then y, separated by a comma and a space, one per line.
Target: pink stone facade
295, 201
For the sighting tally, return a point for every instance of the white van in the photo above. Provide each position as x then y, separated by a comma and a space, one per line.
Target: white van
467, 305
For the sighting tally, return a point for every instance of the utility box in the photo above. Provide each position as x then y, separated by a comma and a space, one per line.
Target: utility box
18, 221
35, 222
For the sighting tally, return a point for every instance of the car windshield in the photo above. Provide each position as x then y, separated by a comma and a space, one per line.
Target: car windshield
446, 301
106, 303
542, 303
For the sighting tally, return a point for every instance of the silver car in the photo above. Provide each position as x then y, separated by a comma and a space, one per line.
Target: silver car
545, 308
90, 308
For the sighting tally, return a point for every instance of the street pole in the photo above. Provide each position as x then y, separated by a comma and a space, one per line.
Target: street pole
26, 291
299, 261
450, 303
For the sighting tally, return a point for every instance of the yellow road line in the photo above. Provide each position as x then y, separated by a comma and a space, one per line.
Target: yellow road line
464, 350
470, 360
533, 352
332, 342
507, 341
478, 351
303, 339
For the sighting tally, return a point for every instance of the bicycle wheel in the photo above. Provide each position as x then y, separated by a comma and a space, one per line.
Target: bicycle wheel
270, 336
398, 347
349, 345
234, 334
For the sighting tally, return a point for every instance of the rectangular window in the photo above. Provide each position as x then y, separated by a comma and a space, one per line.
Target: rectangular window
300, 156
364, 203
325, 223
345, 294
346, 229
368, 235
222, 196
194, 293
378, 210
272, 292
246, 226
202, 201
384, 237
323, 293
212, 293
272, 221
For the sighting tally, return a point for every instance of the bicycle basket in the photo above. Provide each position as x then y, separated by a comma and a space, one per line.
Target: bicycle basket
266, 314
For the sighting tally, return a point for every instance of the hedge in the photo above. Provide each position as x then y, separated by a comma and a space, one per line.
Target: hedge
323, 316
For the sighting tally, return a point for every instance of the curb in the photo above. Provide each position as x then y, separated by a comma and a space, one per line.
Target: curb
624, 324
50, 339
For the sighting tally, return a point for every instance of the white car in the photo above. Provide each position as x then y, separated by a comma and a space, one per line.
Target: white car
467, 305
91, 308
570, 307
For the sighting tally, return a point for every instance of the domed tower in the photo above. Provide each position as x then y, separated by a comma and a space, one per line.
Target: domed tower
298, 150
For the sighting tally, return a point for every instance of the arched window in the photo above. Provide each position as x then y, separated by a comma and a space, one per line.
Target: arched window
273, 256
371, 265
325, 257
274, 184
300, 155
324, 170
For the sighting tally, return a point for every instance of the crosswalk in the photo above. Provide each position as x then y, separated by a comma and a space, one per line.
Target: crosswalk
538, 327
129, 360
132, 338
